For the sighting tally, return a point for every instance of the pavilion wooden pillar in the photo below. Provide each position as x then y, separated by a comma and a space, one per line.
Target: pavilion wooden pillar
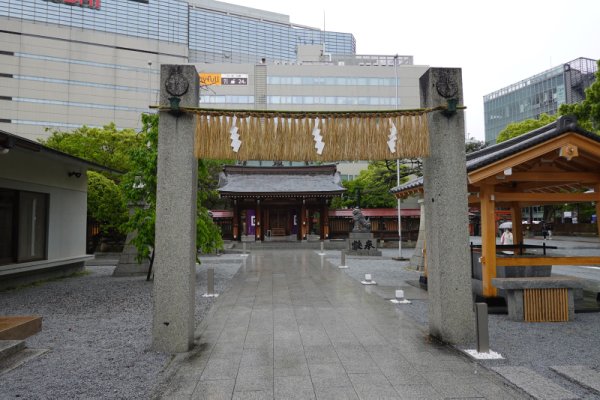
324, 220
303, 224
488, 240
517, 222
258, 227
236, 221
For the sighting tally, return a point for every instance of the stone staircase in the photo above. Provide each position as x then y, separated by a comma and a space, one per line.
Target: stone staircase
237, 247
13, 332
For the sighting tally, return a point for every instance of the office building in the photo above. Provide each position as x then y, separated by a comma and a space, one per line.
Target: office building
541, 93
65, 63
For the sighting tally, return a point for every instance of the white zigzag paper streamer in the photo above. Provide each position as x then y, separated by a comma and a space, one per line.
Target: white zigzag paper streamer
319, 144
393, 137
235, 137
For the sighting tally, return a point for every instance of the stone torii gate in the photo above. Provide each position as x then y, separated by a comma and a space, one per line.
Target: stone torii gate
451, 316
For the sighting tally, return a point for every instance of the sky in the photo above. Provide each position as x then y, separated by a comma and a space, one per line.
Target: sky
494, 43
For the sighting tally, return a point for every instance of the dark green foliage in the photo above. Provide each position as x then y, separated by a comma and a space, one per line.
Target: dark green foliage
518, 128
107, 146
106, 204
139, 186
474, 145
371, 189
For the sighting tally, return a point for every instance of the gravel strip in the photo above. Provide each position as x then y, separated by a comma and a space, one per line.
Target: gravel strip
98, 329
538, 346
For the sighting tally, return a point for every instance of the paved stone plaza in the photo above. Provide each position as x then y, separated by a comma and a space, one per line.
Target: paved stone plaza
293, 326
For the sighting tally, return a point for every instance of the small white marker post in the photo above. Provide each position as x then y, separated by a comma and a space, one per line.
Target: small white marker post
244, 254
368, 280
210, 292
400, 298
343, 263
322, 253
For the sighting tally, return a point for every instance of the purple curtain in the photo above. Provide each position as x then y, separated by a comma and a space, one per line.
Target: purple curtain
250, 222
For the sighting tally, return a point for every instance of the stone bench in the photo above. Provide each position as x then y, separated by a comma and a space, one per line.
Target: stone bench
540, 299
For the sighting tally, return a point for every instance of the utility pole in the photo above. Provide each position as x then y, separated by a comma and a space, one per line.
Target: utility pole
398, 170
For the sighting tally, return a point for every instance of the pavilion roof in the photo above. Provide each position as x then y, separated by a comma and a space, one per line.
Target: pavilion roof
491, 154
535, 162
277, 181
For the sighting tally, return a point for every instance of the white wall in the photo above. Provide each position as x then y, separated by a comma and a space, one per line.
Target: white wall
39, 172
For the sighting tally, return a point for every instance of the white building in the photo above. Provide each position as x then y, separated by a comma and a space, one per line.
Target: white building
43, 211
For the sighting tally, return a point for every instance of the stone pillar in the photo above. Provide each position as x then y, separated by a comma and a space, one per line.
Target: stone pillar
177, 181
417, 261
451, 316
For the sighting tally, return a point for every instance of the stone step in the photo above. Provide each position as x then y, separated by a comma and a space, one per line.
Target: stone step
534, 384
332, 245
19, 327
19, 358
582, 375
10, 347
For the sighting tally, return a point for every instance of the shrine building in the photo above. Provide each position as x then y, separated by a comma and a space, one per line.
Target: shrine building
280, 203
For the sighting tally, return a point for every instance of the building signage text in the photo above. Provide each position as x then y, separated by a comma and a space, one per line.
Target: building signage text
94, 4
212, 79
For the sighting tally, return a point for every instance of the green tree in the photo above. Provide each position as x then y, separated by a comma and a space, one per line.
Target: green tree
371, 188
515, 129
474, 145
587, 111
107, 146
139, 186
106, 203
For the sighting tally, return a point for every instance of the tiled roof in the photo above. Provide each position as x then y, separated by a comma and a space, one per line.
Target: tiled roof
318, 180
499, 151
412, 184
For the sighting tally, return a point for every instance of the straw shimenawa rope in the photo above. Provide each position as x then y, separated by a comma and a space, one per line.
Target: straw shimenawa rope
288, 136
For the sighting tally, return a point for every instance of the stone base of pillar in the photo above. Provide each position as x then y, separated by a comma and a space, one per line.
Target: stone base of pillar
128, 264
417, 261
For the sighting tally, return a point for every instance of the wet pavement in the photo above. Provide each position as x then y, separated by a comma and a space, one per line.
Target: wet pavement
293, 326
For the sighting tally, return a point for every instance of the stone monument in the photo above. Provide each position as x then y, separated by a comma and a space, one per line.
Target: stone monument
451, 316
177, 183
360, 240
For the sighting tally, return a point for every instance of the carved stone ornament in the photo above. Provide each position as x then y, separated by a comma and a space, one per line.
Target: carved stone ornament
177, 84
446, 86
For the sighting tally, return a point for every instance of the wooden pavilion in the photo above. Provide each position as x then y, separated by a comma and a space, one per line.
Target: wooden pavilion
280, 203
555, 164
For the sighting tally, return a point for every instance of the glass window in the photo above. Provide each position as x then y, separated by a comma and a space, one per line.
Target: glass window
23, 226
8, 210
